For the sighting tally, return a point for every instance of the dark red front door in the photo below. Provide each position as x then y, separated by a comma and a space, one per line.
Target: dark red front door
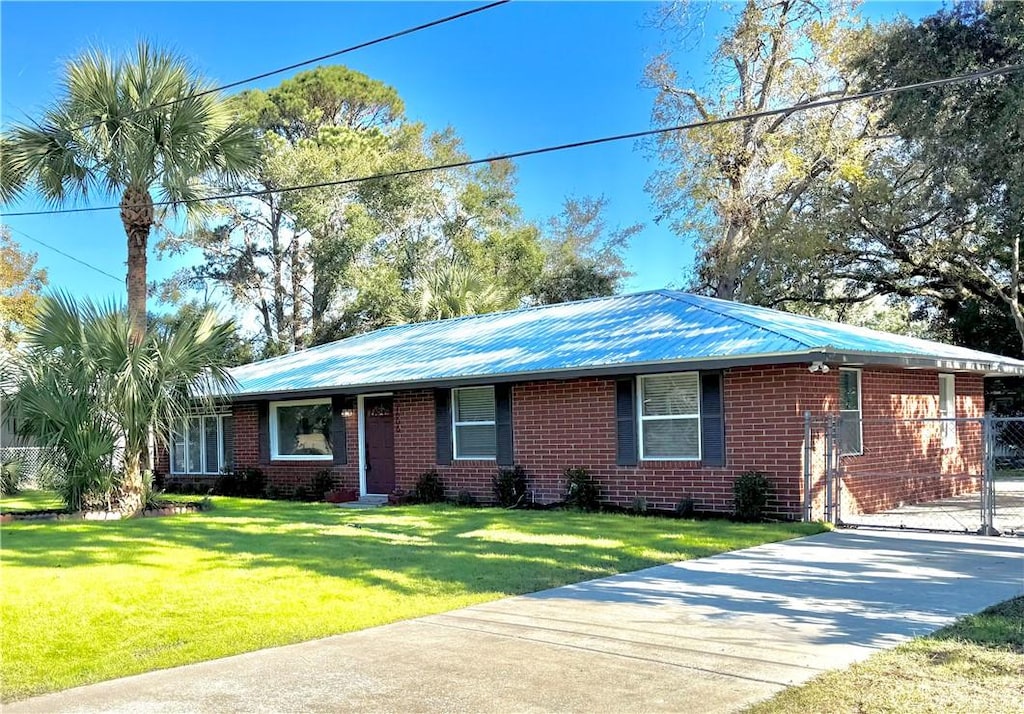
379, 435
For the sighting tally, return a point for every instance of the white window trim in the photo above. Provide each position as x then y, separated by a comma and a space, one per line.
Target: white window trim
455, 431
665, 417
204, 467
274, 456
860, 412
949, 427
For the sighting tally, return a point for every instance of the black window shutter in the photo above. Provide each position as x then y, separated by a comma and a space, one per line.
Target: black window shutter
263, 411
443, 425
712, 419
503, 423
625, 418
339, 443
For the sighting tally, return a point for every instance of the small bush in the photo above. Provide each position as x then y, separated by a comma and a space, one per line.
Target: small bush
253, 483
152, 497
273, 493
322, 483
581, 490
429, 488
638, 505
301, 493
159, 480
751, 491
511, 487
465, 498
11, 477
226, 484
245, 482
685, 508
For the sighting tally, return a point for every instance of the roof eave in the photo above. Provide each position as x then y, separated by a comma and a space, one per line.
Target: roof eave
988, 368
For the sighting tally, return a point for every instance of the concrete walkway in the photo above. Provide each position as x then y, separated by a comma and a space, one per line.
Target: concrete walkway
708, 635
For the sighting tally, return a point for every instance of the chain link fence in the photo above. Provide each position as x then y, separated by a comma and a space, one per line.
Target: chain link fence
929, 474
31, 461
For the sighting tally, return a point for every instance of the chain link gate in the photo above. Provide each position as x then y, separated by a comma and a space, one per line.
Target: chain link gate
925, 474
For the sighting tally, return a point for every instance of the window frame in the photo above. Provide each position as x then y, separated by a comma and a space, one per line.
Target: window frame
456, 424
860, 412
204, 469
949, 435
272, 428
698, 417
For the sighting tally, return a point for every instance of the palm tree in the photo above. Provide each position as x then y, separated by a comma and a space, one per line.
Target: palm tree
449, 289
90, 391
128, 129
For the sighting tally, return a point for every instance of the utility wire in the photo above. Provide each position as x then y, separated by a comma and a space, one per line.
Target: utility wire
66, 255
792, 109
304, 63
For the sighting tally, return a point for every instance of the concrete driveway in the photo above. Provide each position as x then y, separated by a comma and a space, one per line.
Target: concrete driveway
956, 513
709, 635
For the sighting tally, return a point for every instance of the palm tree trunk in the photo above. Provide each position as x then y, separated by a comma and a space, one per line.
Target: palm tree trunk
137, 216
130, 499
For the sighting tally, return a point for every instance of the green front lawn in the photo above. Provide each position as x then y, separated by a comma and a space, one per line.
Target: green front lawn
974, 665
29, 500
87, 601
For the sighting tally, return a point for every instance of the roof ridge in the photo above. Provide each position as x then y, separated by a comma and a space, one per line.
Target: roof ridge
686, 298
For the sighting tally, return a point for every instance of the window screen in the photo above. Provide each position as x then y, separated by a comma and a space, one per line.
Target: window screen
851, 434
670, 416
473, 425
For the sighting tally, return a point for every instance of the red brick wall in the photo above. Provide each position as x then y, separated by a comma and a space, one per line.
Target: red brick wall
283, 476
286, 476
559, 424
903, 460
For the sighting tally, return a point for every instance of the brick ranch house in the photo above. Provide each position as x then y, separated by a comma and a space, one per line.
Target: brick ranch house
661, 394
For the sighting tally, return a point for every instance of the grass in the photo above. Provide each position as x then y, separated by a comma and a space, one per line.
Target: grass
30, 500
87, 601
973, 665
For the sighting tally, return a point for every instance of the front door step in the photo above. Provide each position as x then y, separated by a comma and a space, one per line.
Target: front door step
367, 500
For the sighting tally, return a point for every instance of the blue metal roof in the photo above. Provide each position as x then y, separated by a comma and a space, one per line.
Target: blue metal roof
642, 330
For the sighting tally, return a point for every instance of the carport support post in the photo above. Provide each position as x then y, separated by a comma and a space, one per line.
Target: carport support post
988, 478
808, 451
829, 515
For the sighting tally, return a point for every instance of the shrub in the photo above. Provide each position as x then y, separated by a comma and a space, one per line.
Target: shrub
510, 487
159, 480
465, 498
273, 493
11, 476
300, 494
638, 505
429, 488
227, 484
322, 482
581, 490
152, 497
751, 491
685, 508
252, 483
245, 482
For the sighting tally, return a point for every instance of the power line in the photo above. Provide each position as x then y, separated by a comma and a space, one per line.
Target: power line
305, 63
792, 109
66, 255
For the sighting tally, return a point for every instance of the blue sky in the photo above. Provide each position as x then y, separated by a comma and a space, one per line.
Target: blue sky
523, 75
